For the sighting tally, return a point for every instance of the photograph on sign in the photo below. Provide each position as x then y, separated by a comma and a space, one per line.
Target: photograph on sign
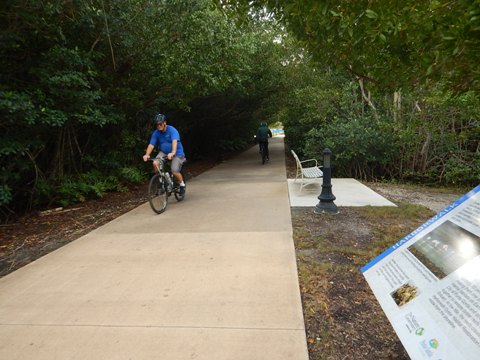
446, 248
404, 294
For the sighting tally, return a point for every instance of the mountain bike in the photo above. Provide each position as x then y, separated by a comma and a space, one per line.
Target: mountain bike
162, 185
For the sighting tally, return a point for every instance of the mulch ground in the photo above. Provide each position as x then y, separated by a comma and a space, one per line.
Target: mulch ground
342, 317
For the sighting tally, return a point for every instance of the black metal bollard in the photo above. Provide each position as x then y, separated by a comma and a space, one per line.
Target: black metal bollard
326, 197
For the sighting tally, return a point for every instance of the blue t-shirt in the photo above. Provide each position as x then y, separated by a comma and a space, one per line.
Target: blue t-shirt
163, 140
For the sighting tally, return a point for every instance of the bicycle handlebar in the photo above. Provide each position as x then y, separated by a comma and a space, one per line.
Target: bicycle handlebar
164, 159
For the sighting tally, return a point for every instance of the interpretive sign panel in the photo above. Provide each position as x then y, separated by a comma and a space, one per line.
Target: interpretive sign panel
428, 284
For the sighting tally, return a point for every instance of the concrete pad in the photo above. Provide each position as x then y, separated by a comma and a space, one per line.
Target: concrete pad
160, 280
348, 192
250, 169
211, 207
177, 343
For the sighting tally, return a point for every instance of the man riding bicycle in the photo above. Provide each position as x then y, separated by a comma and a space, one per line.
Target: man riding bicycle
263, 133
167, 139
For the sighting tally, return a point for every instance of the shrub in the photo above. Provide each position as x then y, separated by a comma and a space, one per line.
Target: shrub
463, 171
361, 147
74, 189
132, 175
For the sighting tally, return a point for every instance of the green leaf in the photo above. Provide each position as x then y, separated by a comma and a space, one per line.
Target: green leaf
371, 14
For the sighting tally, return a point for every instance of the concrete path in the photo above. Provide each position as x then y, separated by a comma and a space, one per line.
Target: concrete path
214, 277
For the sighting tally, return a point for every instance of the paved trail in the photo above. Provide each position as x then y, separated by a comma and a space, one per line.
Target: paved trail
214, 277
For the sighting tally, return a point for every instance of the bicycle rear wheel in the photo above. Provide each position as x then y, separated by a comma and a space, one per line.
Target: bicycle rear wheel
263, 152
157, 193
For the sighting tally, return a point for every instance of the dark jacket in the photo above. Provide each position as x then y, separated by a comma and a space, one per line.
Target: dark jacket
263, 133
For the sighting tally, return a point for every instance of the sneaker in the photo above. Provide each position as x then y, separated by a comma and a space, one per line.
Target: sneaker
181, 192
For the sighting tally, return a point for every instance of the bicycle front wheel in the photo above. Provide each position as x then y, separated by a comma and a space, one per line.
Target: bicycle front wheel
157, 194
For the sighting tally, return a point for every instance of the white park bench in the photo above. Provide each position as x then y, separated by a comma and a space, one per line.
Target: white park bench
306, 172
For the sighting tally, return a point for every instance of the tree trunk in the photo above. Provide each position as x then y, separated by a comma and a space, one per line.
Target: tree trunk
367, 98
66, 153
424, 152
58, 157
397, 105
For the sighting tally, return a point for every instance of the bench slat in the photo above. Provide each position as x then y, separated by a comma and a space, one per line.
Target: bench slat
312, 172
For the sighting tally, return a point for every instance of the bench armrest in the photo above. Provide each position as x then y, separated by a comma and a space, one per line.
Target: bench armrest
310, 160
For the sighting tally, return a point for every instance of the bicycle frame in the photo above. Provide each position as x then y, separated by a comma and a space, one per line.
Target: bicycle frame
162, 185
263, 151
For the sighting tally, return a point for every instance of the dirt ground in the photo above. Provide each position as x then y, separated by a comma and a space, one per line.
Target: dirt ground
434, 199
343, 319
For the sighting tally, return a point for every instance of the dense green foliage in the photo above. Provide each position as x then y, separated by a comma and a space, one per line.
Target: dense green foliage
440, 144
392, 89
432, 138
81, 81
395, 44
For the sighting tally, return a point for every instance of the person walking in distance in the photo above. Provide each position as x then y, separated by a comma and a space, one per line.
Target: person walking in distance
167, 139
263, 133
